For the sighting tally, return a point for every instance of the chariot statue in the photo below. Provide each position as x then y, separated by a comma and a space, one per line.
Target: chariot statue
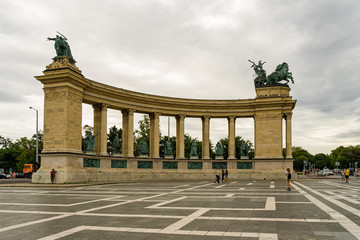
281, 75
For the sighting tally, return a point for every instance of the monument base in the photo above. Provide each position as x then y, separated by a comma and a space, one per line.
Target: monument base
243, 157
219, 157
169, 157
143, 156
70, 169
194, 157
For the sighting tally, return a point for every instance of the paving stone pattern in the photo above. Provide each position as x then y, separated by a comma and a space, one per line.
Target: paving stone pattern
314, 209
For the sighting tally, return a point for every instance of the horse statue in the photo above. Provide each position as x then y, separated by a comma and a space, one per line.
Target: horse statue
280, 74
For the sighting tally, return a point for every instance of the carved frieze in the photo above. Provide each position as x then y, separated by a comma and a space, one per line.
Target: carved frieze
55, 96
268, 116
63, 62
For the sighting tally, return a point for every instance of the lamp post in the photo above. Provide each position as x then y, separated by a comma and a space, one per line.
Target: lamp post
37, 138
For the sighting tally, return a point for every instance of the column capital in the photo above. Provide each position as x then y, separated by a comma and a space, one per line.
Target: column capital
180, 116
128, 110
288, 115
231, 117
155, 113
206, 117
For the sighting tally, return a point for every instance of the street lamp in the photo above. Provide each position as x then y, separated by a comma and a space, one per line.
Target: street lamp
37, 138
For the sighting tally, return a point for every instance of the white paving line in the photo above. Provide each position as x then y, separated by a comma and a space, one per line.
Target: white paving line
260, 236
91, 209
220, 186
272, 185
241, 189
60, 205
181, 186
295, 202
186, 220
349, 225
229, 195
249, 184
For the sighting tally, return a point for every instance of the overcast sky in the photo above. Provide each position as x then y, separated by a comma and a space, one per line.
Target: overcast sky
191, 49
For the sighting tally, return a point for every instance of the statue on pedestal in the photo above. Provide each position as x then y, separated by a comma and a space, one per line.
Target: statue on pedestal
168, 149
244, 150
90, 142
116, 147
61, 46
143, 148
219, 150
281, 73
193, 151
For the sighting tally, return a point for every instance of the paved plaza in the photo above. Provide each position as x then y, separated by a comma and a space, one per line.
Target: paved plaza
314, 209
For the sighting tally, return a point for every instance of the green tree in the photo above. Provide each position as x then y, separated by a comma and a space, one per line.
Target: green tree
322, 160
299, 154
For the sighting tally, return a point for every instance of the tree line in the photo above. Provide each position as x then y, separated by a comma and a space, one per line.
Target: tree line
14, 154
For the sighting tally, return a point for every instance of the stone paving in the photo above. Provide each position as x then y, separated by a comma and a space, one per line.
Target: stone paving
314, 209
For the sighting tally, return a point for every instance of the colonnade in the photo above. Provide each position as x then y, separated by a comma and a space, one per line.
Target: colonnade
100, 128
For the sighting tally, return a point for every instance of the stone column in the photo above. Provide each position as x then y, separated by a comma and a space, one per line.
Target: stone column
97, 127
205, 137
154, 135
180, 129
231, 137
128, 133
288, 135
100, 128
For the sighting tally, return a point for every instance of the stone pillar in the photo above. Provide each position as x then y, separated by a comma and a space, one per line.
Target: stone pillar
128, 133
288, 135
62, 119
100, 128
231, 137
205, 137
268, 135
180, 131
154, 135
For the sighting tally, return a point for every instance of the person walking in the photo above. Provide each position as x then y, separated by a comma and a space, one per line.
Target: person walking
342, 175
227, 176
347, 175
52, 176
288, 178
222, 175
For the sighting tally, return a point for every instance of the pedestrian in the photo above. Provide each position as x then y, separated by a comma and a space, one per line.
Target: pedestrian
288, 178
222, 175
342, 175
347, 174
217, 178
52, 175
227, 176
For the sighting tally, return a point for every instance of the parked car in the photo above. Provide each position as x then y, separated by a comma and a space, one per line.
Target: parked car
325, 172
2, 176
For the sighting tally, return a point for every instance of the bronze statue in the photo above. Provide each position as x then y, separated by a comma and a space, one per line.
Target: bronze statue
143, 148
168, 149
61, 46
219, 149
244, 149
90, 142
116, 146
193, 151
280, 74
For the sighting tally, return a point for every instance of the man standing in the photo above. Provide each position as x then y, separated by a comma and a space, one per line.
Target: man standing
347, 174
52, 175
